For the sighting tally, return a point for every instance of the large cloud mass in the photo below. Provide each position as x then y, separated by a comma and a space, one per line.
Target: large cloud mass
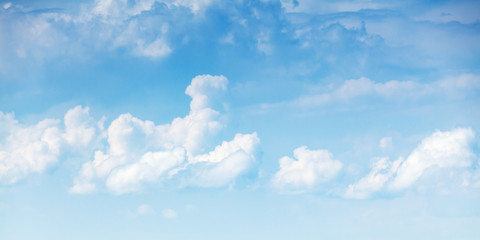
131, 151
140, 151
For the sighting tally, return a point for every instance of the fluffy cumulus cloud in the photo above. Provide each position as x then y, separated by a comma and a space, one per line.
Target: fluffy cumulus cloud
439, 152
131, 151
32, 149
26, 150
306, 171
80, 127
139, 151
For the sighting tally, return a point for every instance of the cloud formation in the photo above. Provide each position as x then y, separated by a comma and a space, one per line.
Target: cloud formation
382, 171
140, 27
438, 152
32, 149
131, 151
26, 150
457, 86
306, 171
80, 127
139, 151
230, 159
450, 149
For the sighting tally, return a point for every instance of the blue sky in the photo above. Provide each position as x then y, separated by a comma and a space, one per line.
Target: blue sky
207, 119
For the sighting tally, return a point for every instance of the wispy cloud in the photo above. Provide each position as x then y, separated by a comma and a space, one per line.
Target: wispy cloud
453, 87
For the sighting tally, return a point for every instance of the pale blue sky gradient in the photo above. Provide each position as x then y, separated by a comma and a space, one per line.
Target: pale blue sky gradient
308, 119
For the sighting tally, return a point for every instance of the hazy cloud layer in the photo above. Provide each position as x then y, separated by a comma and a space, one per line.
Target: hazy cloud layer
453, 87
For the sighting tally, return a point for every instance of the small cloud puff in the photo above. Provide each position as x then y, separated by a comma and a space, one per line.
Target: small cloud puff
306, 171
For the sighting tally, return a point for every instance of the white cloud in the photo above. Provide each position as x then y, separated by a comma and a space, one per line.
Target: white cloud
458, 86
451, 149
106, 21
229, 160
169, 213
201, 87
355, 88
26, 150
306, 171
438, 152
126, 25
155, 49
139, 151
242, 142
80, 128
381, 172
32, 149
123, 23
150, 167
394, 90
